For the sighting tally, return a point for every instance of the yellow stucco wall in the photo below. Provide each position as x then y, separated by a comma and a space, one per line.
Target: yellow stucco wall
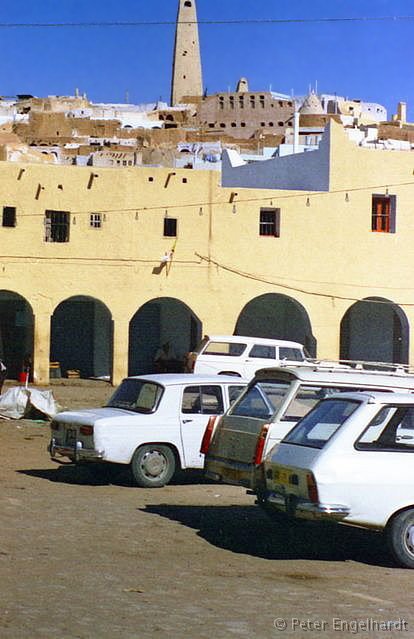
325, 258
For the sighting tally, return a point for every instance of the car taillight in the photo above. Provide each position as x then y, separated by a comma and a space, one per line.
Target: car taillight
312, 488
86, 430
208, 433
258, 453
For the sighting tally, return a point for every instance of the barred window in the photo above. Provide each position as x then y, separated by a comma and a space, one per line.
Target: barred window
57, 226
269, 224
95, 220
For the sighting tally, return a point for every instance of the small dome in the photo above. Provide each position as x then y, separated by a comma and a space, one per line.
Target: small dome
311, 105
242, 86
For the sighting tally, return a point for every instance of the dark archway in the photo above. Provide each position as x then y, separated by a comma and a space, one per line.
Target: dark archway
16, 332
277, 317
375, 330
81, 337
156, 322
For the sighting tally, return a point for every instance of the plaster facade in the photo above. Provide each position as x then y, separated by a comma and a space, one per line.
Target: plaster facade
213, 270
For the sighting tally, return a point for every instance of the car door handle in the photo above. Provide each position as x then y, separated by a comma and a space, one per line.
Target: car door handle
185, 421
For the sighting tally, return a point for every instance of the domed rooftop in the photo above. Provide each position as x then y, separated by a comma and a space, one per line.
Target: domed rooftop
311, 105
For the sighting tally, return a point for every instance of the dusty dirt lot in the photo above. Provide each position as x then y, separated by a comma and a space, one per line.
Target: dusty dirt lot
84, 555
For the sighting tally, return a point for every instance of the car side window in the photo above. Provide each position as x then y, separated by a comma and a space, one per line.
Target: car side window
293, 354
212, 400
391, 429
308, 396
262, 351
191, 402
202, 400
234, 392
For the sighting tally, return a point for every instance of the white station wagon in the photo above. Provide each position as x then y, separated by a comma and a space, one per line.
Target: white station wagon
274, 402
153, 423
241, 356
350, 459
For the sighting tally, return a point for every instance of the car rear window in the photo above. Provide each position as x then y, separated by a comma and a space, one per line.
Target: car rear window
232, 349
321, 423
137, 395
262, 400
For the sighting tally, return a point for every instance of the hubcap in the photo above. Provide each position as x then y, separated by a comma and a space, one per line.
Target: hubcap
153, 463
409, 538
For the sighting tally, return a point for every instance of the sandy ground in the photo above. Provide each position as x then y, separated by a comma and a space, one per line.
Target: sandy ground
85, 555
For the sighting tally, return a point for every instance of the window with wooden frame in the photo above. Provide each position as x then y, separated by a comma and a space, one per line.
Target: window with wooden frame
9, 216
57, 226
269, 224
383, 213
170, 227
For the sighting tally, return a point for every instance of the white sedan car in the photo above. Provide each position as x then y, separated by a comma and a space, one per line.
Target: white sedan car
350, 459
154, 423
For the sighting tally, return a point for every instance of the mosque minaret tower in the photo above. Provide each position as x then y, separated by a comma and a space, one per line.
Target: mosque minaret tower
187, 76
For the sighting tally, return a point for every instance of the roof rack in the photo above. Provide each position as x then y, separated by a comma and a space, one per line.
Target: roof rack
362, 366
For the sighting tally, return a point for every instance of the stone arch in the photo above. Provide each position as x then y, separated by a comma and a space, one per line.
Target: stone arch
276, 316
16, 332
81, 337
375, 329
156, 322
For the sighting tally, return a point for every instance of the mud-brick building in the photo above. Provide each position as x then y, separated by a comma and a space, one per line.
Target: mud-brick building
98, 267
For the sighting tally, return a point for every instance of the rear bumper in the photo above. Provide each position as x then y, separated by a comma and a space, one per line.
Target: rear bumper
230, 472
75, 453
302, 509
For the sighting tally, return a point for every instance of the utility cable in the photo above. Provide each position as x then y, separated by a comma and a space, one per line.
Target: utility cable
253, 21
264, 280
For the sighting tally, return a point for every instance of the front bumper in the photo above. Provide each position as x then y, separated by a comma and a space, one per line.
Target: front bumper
75, 453
302, 509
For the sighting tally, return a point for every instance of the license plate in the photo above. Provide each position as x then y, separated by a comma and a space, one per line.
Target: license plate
282, 476
71, 436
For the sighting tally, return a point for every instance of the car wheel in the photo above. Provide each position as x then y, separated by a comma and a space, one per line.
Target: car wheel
153, 465
400, 536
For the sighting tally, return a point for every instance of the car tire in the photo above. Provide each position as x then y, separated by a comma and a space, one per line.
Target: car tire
400, 537
153, 465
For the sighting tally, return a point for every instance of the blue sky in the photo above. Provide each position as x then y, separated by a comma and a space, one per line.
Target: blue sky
367, 60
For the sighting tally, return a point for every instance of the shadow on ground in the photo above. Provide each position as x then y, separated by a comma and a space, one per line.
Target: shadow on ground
246, 529
105, 475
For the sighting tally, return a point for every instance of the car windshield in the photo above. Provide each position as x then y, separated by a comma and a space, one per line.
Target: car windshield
137, 395
262, 400
321, 423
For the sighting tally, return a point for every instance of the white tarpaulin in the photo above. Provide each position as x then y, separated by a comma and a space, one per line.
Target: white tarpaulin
17, 402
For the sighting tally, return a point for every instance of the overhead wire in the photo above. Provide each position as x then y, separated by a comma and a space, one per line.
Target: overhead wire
275, 197
253, 21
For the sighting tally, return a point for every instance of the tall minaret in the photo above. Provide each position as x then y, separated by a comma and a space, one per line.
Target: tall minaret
186, 77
